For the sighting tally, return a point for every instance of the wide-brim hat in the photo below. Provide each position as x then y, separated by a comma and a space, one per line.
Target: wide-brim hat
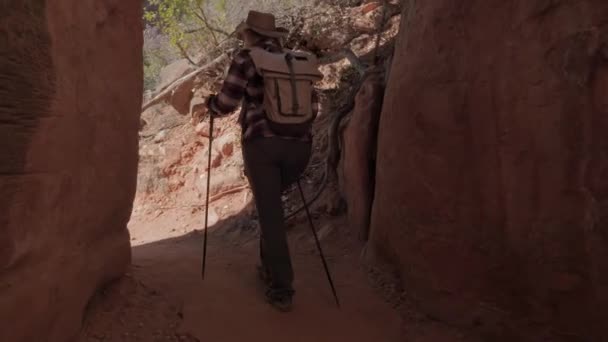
261, 23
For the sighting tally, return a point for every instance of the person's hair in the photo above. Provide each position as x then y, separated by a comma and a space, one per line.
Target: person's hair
251, 37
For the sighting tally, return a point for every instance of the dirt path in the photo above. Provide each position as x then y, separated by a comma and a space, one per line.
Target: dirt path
164, 299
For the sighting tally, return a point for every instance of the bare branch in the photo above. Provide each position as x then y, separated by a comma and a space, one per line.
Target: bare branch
203, 17
169, 89
184, 53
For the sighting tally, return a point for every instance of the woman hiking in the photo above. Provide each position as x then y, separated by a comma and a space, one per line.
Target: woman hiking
278, 105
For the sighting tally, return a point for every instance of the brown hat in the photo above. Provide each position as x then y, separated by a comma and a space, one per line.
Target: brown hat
261, 23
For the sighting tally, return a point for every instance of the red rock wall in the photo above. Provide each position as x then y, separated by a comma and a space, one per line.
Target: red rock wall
70, 97
358, 153
492, 177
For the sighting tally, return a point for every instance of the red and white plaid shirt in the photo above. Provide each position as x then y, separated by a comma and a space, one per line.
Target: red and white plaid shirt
245, 86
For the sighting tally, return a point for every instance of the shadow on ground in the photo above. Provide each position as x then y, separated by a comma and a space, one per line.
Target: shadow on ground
164, 298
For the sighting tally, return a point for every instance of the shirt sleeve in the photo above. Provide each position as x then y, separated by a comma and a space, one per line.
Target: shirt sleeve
234, 86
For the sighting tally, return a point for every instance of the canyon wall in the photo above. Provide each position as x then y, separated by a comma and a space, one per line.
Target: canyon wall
70, 99
492, 177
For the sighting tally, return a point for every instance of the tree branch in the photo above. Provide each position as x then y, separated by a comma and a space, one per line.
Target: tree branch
184, 53
169, 89
206, 22
211, 28
203, 17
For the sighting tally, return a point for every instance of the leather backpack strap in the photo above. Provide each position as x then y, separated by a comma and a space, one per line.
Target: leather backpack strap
292, 78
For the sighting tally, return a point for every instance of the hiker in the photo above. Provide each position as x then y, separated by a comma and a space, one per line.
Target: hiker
279, 104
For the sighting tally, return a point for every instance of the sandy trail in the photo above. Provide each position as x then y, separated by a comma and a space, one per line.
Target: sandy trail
164, 299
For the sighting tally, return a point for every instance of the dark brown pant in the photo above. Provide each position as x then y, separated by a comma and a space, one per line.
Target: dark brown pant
272, 164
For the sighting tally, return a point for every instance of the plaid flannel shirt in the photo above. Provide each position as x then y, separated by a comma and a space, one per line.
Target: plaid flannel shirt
244, 86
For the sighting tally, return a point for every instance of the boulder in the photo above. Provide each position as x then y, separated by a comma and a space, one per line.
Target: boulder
181, 96
172, 72
491, 176
71, 89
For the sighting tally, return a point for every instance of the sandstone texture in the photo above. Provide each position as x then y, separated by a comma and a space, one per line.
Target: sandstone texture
70, 98
358, 154
492, 166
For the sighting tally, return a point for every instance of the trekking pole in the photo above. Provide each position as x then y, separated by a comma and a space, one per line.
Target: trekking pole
207, 196
314, 233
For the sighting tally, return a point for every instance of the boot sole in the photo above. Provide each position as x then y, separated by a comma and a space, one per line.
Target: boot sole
280, 307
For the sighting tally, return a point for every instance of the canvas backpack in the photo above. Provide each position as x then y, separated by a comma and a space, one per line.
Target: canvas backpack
289, 77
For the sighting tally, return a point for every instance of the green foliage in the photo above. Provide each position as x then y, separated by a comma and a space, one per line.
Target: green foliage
185, 21
171, 16
158, 52
220, 6
221, 12
182, 26
153, 64
192, 28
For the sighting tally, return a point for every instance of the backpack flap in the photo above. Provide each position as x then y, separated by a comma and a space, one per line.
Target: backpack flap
304, 64
288, 85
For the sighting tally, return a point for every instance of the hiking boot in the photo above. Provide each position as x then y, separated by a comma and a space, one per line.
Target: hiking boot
280, 299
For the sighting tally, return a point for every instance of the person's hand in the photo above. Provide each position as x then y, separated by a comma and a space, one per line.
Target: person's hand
200, 108
208, 103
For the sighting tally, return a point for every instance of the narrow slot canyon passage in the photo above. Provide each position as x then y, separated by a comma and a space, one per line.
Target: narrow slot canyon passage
458, 176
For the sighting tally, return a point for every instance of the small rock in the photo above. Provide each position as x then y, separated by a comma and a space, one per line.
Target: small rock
198, 109
213, 218
217, 160
225, 144
160, 137
202, 129
369, 7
